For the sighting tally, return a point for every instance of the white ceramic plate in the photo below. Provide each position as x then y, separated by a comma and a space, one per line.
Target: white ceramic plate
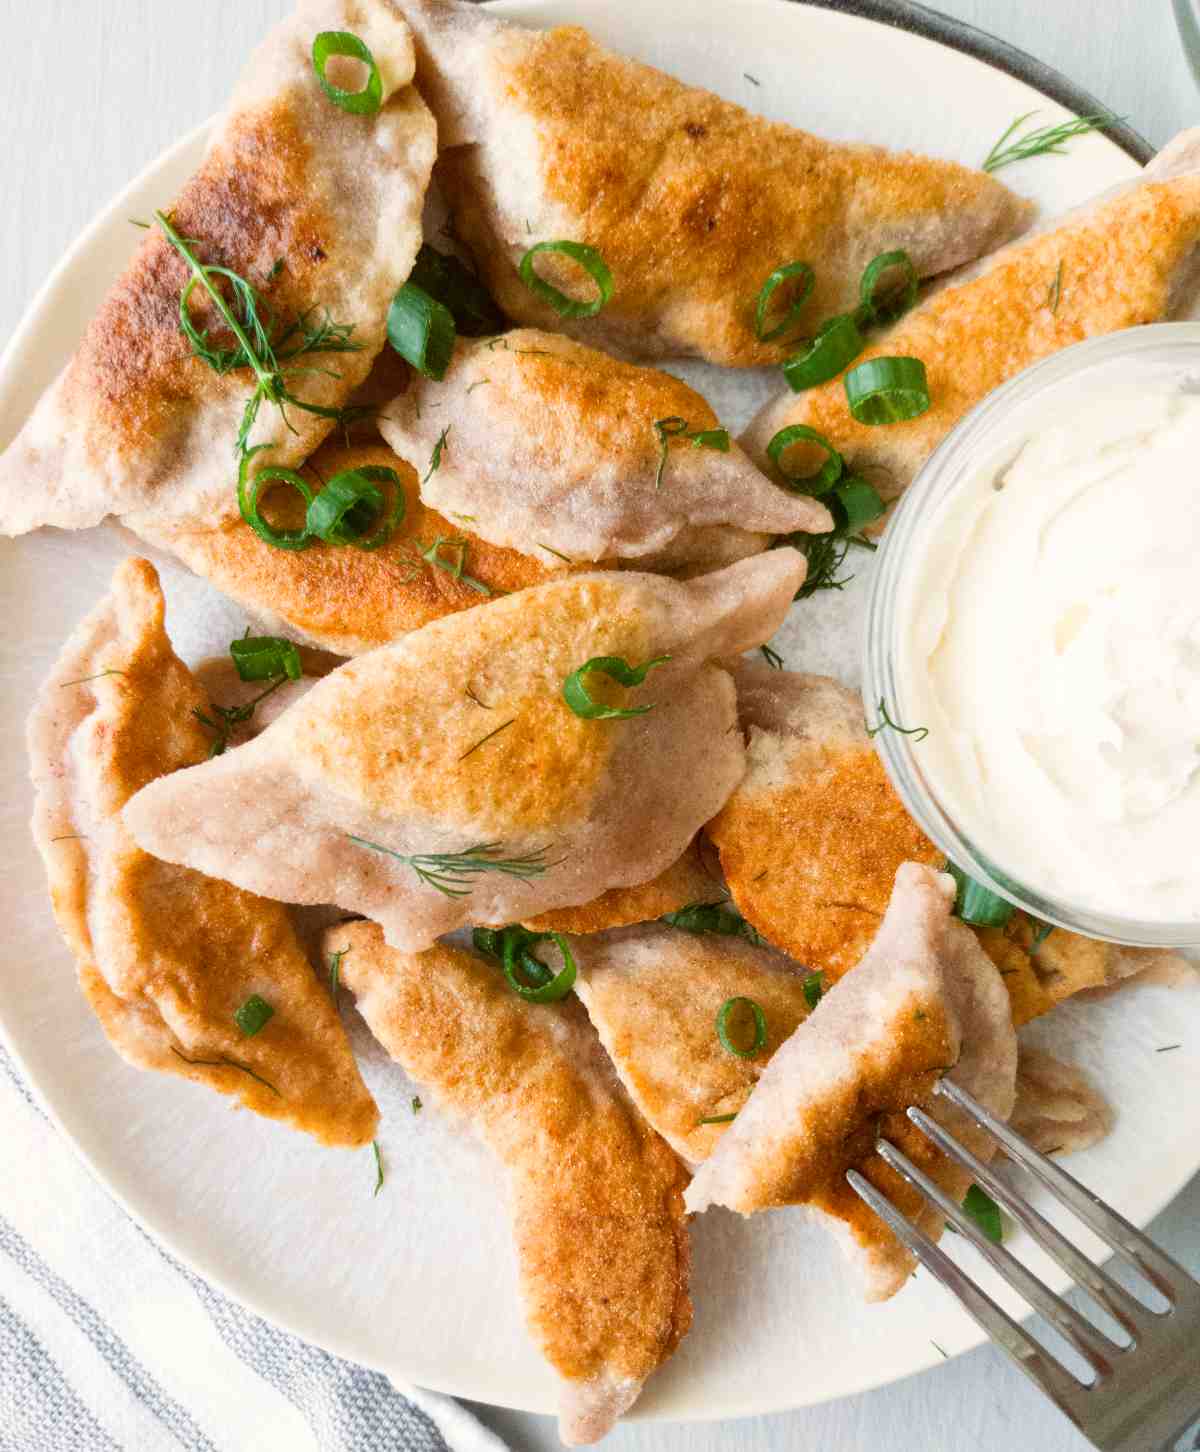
420, 1281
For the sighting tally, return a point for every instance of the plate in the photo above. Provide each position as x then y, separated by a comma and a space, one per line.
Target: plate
419, 1282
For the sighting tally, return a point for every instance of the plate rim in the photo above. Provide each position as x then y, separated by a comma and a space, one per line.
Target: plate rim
919, 20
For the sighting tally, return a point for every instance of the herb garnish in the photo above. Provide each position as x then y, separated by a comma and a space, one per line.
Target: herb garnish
801, 278
227, 717
980, 1206
83, 680
453, 873
814, 989
676, 427
448, 280
1054, 296
566, 559
335, 971
974, 903
725, 1013
920, 732
525, 972
455, 568
718, 918
378, 1166
1166, 1048
342, 42
591, 262
887, 391
435, 459
263, 657
1044, 141
483, 740
224, 1063
1043, 932
253, 1015
772, 657
575, 692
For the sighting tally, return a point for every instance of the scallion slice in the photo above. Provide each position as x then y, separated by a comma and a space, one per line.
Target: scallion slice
263, 657
546, 987
887, 390
575, 691
801, 289
825, 477
448, 281
341, 42
591, 262
877, 310
977, 904
726, 1012
253, 1015
859, 503
422, 330
248, 492
980, 1206
350, 509
837, 343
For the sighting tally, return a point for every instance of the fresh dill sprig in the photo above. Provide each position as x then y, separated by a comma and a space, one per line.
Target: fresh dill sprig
435, 459
227, 717
566, 559
262, 344
224, 1063
721, 919
454, 567
772, 657
717, 1118
378, 1166
99, 676
1043, 141
335, 971
1054, 295
677, 428
484, 740
453, 873
919, 732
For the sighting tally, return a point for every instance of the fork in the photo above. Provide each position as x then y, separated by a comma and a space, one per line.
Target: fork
1142, 1394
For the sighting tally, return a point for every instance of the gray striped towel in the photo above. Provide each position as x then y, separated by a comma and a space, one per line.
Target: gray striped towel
107, 1344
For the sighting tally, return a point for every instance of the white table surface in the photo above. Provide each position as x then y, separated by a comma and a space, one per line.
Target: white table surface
94, 89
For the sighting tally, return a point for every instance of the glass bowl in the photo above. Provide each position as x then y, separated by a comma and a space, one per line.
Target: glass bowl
1163, 356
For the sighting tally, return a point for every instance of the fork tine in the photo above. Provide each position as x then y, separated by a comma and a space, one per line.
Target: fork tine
1158, 1268
1037, 1363
1125, 1309
1091, 1343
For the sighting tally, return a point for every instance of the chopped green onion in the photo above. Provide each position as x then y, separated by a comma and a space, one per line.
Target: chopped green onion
725, 1012
254, 1015
717, 918
263, 657
341, 42
350, 507
887, 390
484, 740
711, 439
717, 1118
445, 279
860, 504
875, 311
977, 904
421, 330
814, 989
248, 492
489, 941
416, 1104
676, 427
575, 692
546, 987
980, 1206
836, 345
825, 477
591, 262
800, 293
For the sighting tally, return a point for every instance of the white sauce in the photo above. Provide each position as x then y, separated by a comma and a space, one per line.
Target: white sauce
1053, 651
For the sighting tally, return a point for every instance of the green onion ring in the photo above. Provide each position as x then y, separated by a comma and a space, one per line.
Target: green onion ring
263, 657
807, 277
860, 503
760, 1027
575, 692
253, 1015
248, 491
341, 42
974, 903
887, 390
591, 262
350, 506
875, 312
837, 344
422, 330
825, 477
517, 947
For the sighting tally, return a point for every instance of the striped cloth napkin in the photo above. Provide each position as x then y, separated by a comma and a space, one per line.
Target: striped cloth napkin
107, 1344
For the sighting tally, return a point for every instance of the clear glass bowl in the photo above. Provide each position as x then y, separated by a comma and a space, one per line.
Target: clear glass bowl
1163, 355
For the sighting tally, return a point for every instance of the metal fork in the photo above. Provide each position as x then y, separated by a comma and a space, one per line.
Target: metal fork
1144, 1393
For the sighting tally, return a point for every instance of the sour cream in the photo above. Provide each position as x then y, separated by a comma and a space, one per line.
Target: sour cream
1052, 648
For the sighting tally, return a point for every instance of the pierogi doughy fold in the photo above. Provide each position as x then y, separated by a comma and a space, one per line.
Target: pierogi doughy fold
925, 1001
812, 837
166, 956
595, 1195
545, 446
444, 779
318, 209
685, 881
340, 597
1132, 257
653, 993
692, 202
